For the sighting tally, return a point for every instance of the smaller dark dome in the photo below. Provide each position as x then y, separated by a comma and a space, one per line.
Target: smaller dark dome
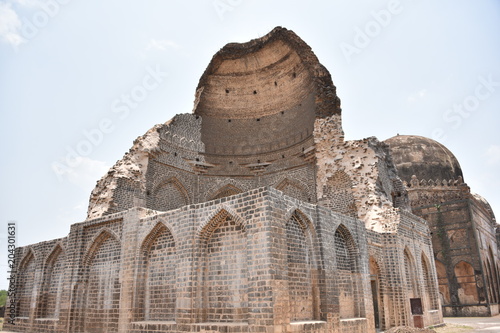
423, 157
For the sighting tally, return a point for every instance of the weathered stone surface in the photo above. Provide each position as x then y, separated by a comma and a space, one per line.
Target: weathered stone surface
252, 214
462, 224
423, 157
406, 329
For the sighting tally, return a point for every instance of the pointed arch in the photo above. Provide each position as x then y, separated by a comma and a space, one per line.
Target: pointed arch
223, 211
303, 290
443, 282
168, 194
467, 293
52, 285
411, 282
497, 272
211, 191
294, 189
350, 248
30, 255
96, 242
377, 285
347, 264
157, 278
338, 194
174, 181
489, 283
102, 284
306, 224
429, 284
153, 233
374, 266
225, 191
223, 248
26, 273
495, 285
56, 250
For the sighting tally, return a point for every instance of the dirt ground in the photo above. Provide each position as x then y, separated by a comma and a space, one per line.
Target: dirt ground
453, 328
447, 328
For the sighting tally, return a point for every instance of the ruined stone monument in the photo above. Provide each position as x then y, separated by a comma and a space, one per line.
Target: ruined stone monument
462, 226
250, 214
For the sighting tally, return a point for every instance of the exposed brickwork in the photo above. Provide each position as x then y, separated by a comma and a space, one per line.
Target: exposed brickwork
225, 278
338, 196
168, 195
158, 290
102, 286
429, 289
26, 285
257, 260
411, 285
462, 235
392, 255
300, 272
294, 190
52, 285
462, 224
250, 215
225, 191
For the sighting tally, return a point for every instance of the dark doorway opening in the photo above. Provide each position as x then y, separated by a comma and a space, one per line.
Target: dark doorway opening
375, 296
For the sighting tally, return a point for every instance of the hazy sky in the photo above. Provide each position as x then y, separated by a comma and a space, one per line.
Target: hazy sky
421, 67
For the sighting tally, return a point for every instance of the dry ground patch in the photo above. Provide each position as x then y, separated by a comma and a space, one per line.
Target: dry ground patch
447, 328
453, 328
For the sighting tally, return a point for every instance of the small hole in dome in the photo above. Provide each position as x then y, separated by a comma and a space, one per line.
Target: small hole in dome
175, 154
230, 162
294, 75
197, 117
227, 91
275, 83
282, 156
258, 161
197, 159
282, 112
258, 119
229, 120
255, 92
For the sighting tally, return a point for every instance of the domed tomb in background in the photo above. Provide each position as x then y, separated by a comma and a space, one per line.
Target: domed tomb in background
462, 225
423, 157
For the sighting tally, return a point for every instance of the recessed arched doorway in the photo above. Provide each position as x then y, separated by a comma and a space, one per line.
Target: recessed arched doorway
378, 304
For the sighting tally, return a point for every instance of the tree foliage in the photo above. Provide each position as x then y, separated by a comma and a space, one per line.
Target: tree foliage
3, 297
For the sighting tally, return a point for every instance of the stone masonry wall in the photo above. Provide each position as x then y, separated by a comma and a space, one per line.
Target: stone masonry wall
368, 186
272, 258
167, 169
126, 186
393, 281
462, 235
